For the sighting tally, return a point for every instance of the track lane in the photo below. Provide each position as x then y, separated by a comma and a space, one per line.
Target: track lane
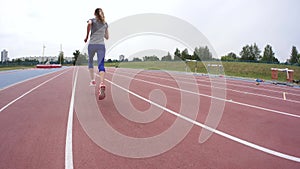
265, 103
242, 87
289, 124
10, 78
215, 153
16, 90
32, 131
37, 151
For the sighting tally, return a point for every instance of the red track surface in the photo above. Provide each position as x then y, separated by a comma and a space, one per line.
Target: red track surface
33, 128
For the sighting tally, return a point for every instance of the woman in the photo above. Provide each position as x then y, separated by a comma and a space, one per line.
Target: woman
99, 30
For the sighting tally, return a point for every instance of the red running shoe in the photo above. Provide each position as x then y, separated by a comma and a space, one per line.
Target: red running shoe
93, 83
101, 91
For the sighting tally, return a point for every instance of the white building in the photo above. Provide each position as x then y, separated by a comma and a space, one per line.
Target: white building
40, 58
4, 56
48, 58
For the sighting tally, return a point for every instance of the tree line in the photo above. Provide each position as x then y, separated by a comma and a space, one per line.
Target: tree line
250, 53
253, 54
200, 54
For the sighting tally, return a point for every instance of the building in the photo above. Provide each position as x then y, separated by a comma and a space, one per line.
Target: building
41, 59
4, 56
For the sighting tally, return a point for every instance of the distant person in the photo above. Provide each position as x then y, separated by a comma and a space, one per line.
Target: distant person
99, 30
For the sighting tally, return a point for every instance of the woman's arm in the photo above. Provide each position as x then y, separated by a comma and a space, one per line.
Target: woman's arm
106, 35
88, 30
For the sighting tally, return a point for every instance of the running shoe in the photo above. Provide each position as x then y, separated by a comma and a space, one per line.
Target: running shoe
93, 83
101, 91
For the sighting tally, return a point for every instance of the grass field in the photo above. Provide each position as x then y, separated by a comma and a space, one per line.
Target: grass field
239, 69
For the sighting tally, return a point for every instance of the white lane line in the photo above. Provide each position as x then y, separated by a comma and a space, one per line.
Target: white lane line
233, 138
28, 80
10, 103
242, 86
226, 100
242, 83
228, 89
69, 140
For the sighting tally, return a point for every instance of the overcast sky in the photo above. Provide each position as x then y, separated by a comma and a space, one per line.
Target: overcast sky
228, 24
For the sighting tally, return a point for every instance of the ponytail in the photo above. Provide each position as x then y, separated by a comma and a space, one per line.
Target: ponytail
100, 17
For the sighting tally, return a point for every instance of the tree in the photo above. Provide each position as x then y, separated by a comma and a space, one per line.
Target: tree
269, 55
150, 58
136, 60
232, 55
229, 57
251, 53
294, 56
121, 58
79, 58
185, 54
82, 59
255, 52
196, 54
76, 54
168, 57
177, 54
206, 54
245, 53
202, 53
61, 57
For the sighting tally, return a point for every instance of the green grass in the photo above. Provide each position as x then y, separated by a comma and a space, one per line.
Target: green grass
258, 70
239, 69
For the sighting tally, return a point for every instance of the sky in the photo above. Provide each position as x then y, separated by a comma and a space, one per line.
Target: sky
229, 25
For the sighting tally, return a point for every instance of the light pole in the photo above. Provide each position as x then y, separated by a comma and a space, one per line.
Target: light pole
43, 53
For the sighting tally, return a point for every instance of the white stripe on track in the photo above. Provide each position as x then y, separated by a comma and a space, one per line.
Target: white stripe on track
69, 134
239, 85
228, 89
20, 97
233, 138
226, 100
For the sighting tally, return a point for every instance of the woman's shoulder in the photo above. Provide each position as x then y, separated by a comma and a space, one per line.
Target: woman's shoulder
91, 20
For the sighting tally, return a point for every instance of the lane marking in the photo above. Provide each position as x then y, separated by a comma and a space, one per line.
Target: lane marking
69, 134
13, 101
226, 100
242, 86
236, 82
238, 91
230, 137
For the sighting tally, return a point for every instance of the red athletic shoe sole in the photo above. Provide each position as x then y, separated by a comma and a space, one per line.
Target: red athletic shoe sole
101, 93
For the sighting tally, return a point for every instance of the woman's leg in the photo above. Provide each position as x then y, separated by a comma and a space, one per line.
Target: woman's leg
101, 57
91, 52
102, 71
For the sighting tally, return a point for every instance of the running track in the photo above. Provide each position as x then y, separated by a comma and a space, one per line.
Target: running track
42, 125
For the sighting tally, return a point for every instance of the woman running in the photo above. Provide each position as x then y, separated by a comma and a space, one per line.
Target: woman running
99, 30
